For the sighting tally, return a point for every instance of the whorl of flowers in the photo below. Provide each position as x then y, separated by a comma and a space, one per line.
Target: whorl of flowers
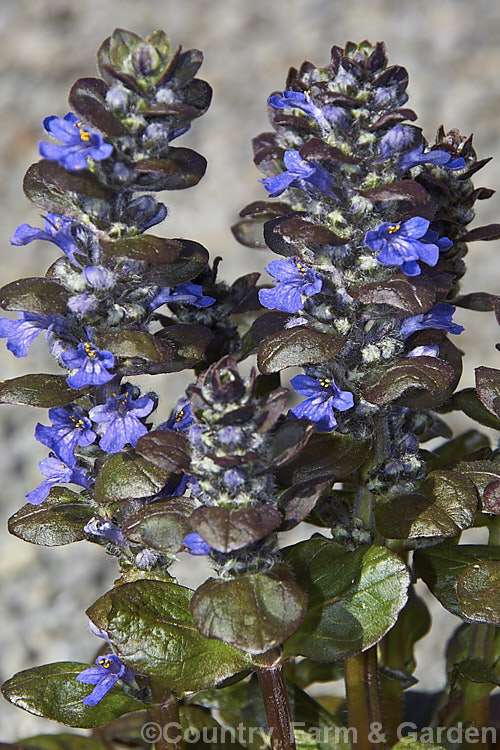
372, 222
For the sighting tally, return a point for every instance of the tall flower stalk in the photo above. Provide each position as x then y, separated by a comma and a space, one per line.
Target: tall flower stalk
371, 226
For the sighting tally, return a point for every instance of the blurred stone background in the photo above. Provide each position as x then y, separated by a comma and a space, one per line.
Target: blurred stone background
452, 53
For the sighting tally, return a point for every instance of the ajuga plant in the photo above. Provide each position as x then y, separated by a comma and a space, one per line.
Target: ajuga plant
370, 226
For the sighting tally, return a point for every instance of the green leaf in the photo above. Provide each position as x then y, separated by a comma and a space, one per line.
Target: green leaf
475, 670
255, 612
297, 346
35, 295
57, 521
146, 248
445, 504
423, 373
151, 626
468, 401
478, 591
481, 473
52, 691
354, 597
47, 184
59, 742
226, 529
307, 672
126, 475
441, 566
161, 525
326, 454
447, 454
45, 391
408, 744
175, 349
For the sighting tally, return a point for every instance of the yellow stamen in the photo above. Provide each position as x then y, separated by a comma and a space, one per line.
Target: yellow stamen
325, 382
394, 228
104, 663
89, 350
302, 269
179, 416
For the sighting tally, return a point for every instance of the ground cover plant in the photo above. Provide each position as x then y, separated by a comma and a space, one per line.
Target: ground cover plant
370, 223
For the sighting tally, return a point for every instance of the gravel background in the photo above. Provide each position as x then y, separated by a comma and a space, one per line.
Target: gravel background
452, 53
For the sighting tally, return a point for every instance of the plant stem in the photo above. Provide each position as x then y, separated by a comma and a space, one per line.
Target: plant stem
274, 692
476, 697
364, 704
165, 714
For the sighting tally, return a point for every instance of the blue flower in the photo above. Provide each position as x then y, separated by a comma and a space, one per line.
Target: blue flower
424, 351
295, 282
438, 317
394, 141
436, 156
181, 417
196, 545
57, 229
104, 676
323, 398
299, 172
120, 419
56, 472
299, 100
106, 529
79, 143
69, 428
99, 277
175, 487
92, 365
188, 294
20, 333
406, 243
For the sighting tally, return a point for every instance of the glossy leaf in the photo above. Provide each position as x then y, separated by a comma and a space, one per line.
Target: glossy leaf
52, 691
126, 475
403, 295
299, 500
478, 591
151, 626
161, 525
297, 346
354, 597
488, 388
250, 230
468, 401
190, 262
444, 505
488, 232
423, 373
35, 295
146, 248
182, 168
46, 181
58, 742
326, 454
440, 567
288, 235
289, 440
255, 612
45, 391
87, 99
167, 449
404, 190
57, 521
227, 529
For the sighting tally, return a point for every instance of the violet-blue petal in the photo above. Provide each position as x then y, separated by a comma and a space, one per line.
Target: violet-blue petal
92, 365
196, 545
20, 333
